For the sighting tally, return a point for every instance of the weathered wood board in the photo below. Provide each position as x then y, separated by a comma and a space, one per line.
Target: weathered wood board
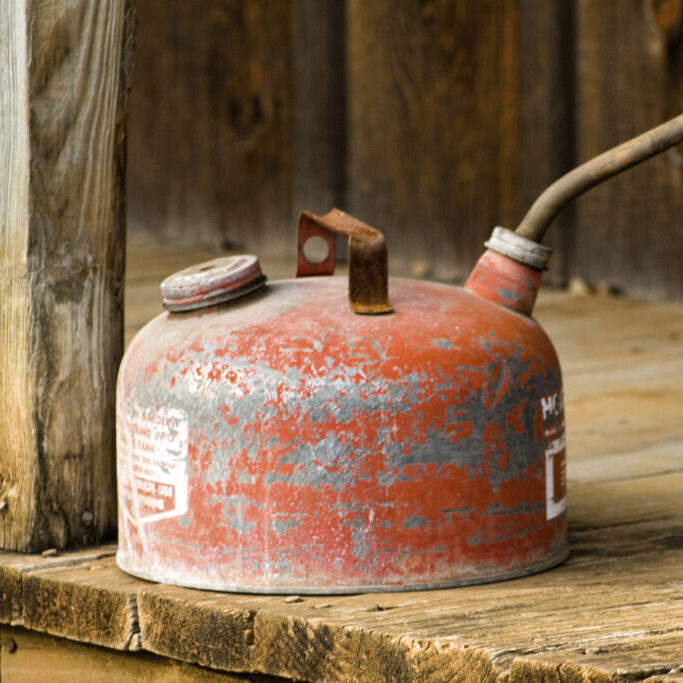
629, 77
64, 69
212, 122
546, 44
434, 126
28, 657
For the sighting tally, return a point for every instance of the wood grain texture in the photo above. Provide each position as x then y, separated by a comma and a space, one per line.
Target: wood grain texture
629, 65
27, 657
64, 229
547, 100
319, 131
17, 440
106, 614
14, 566
211, 156
433, 120
622, 361
434, 126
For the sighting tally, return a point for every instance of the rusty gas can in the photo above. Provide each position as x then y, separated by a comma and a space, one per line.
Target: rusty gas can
275, 439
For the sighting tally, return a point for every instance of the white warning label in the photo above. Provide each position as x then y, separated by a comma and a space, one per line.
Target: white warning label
153, 463
555, 478
555, 455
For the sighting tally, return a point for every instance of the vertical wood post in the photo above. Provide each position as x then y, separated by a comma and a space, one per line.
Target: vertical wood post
63, 69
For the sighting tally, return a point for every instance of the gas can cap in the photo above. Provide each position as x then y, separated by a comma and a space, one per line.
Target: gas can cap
212, 282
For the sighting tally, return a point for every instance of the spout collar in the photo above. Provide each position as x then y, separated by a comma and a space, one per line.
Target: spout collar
518, 248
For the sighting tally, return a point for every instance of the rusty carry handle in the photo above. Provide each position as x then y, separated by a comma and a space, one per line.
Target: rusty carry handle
543, 211
368, 263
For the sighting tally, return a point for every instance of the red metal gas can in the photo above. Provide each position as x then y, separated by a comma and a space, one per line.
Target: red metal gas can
275, 439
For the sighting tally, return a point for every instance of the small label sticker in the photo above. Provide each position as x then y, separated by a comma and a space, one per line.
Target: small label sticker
153, 455
555, 455
555, 478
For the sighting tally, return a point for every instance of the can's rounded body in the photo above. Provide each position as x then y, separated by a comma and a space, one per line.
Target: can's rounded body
283, 444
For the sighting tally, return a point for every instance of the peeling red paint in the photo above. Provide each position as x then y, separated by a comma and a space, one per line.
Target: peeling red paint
329, 452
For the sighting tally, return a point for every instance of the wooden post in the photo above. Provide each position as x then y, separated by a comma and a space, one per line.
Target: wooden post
63, 69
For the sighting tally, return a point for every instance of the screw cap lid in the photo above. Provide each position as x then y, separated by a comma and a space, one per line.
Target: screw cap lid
212, 282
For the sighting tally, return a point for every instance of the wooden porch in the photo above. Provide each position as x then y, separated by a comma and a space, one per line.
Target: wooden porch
614, 611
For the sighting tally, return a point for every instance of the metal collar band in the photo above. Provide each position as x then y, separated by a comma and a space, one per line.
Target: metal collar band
518, 248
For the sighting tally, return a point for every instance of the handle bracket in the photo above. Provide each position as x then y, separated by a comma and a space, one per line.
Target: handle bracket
368, 263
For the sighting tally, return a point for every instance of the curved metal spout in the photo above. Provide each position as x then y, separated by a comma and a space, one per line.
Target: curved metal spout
542, 212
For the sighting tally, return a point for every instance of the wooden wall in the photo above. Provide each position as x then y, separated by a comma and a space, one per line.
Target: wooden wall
434, 120
210, 140
629, 232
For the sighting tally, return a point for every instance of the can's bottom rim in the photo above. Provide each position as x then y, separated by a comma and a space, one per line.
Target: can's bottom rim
517, 573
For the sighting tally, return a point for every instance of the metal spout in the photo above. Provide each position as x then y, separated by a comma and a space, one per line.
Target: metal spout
630, 153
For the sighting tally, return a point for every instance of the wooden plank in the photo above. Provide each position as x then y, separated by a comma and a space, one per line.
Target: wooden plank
629, 501
92, 602
319, 111
628, 231
289, 640
211, 123
434, 127
80, 595
13, 566
216, 633
588, 341
62, 233
547, 130
623, 374
16, 437
27, 656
